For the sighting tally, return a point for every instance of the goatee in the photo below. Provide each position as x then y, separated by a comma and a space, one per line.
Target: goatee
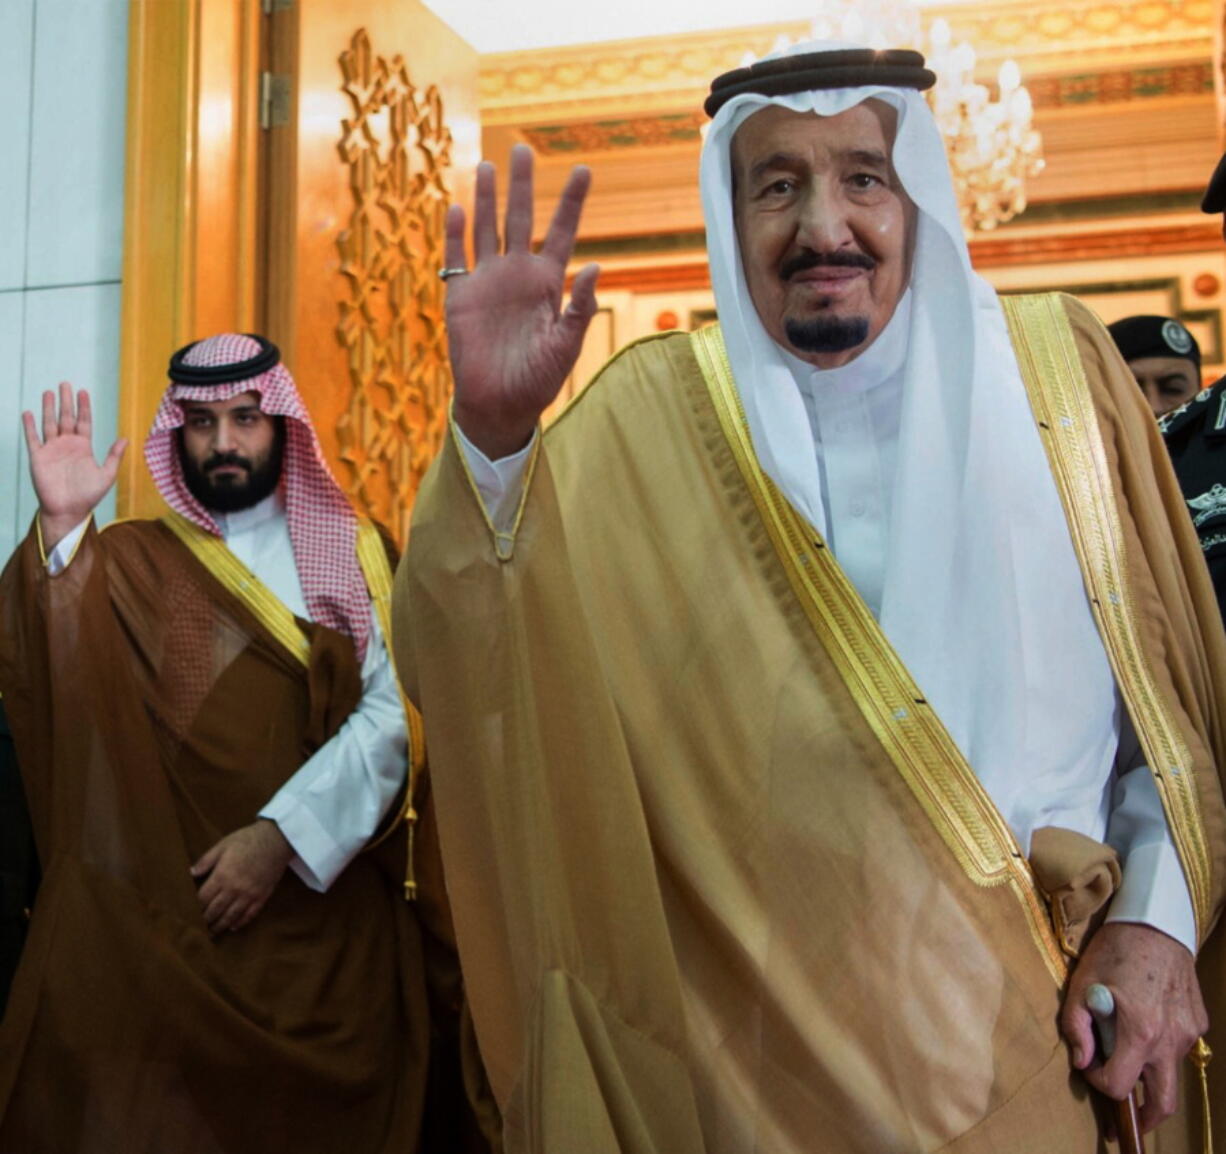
826, 334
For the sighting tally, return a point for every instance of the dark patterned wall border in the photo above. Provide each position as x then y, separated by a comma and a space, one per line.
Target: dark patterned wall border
1083, 90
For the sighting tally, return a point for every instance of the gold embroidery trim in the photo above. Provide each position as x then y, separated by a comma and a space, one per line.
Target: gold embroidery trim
504, 543
42, 549
277, 618
1060, 398
907, 727
372, 557
1201, 1057
235, 577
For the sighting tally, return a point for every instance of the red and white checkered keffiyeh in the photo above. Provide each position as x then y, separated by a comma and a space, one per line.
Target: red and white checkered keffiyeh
322, 524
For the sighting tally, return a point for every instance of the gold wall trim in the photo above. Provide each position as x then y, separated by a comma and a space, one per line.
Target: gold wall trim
1060, 397
914, 738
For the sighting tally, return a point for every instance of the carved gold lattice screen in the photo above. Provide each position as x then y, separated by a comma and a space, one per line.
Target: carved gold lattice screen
398, 150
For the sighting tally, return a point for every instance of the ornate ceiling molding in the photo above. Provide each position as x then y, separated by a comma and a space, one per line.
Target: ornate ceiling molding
582, 139
670, 129
1122, 86
1050, 38
667, 70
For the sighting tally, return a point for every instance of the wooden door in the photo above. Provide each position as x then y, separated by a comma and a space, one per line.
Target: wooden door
289, 165
380, 132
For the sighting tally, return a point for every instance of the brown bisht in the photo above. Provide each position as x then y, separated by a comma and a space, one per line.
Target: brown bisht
722, 882
154, 713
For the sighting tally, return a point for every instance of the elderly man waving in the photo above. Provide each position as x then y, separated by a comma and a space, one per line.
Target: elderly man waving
825, 701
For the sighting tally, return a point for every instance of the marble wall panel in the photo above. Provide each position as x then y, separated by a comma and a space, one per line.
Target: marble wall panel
12, 462
16, 69
77, 142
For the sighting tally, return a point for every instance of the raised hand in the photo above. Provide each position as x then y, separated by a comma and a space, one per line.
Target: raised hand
512, 344
68, 481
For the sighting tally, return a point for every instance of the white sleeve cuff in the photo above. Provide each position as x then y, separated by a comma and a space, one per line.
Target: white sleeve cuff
330, 807
500, 483
317, 860
1153, 892
65, 549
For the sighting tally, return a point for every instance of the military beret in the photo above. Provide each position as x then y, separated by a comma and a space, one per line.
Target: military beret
1138, 337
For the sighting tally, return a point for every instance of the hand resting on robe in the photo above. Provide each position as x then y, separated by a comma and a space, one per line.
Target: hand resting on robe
240, 872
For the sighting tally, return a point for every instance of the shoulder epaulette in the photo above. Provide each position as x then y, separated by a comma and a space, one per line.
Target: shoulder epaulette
1209, 404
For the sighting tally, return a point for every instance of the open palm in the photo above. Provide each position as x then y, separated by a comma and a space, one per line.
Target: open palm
512, 345
68, 480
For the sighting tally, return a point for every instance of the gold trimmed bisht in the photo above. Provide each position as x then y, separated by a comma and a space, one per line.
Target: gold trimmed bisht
279, 620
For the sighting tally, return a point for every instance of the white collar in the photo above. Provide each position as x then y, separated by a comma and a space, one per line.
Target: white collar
242, 520
877, 364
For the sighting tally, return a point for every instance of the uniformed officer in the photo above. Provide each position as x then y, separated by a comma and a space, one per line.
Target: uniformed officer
1196, 438
1163, 356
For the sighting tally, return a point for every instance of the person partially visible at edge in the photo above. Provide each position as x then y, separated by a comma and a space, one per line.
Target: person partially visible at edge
791, 789
1195, 435
1163, 357
211, 733
18, 862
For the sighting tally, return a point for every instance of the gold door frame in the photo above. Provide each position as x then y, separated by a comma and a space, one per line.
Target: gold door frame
191, 244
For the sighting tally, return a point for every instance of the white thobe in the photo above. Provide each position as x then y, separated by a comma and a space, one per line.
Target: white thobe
334, 802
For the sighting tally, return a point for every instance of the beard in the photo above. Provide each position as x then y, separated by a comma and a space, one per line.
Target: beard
231, 493
826, 334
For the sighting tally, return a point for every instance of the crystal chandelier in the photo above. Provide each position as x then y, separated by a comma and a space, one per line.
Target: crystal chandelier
993, 148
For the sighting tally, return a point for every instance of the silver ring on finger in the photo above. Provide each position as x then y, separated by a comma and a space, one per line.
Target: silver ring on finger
448, 273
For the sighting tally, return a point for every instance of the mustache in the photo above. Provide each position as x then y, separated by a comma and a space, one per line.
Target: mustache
217, 460
807, 259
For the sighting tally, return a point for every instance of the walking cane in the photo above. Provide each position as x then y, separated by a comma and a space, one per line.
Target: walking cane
1101, 1004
